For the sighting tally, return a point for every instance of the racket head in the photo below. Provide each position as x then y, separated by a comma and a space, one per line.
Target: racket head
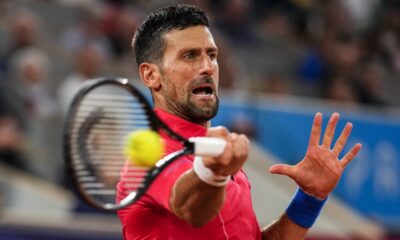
101, 115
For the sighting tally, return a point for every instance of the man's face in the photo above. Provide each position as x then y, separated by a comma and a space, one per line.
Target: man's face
189, 74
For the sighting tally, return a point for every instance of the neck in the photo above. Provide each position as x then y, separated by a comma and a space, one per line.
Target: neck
206, 124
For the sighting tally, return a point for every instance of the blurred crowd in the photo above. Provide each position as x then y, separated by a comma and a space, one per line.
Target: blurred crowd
346, 51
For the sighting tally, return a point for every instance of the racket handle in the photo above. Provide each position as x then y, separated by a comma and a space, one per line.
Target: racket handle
208, 146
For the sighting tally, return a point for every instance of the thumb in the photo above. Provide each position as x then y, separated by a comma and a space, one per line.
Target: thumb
282, 169
219, 131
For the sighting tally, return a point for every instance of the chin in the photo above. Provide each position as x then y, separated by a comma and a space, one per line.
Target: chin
209, 112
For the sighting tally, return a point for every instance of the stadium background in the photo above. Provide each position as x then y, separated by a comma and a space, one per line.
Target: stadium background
280, 62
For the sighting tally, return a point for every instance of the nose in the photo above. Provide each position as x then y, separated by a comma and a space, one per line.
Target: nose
207, 66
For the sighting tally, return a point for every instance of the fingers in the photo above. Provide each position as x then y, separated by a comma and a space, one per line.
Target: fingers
241, 146
330, 130
235, 154
350, 155
283, 169
316, 130
341, 142
240, 149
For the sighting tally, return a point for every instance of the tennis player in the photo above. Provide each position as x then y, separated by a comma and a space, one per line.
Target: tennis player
209, 198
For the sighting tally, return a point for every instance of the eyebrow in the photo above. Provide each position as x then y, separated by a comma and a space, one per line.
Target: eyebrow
211, 49
195, 49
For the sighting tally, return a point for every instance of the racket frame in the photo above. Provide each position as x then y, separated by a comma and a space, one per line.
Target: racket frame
155, 124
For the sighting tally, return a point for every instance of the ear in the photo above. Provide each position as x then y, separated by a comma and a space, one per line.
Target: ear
150, 75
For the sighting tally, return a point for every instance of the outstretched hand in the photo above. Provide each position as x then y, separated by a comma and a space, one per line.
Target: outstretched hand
320, 170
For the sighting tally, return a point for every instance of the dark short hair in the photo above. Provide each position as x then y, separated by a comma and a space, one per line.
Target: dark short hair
148, 43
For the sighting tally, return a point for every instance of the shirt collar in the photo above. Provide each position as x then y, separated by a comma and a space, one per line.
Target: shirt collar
181, 126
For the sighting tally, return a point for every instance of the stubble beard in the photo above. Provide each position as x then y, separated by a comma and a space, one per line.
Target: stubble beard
199, 114
188, 109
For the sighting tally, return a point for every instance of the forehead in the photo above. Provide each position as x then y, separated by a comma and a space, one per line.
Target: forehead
191, 37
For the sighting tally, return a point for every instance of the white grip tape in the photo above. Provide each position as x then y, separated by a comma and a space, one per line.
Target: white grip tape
207, 175
208, 146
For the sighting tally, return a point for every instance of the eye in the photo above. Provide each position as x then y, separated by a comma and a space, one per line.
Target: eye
189, 56
212, 55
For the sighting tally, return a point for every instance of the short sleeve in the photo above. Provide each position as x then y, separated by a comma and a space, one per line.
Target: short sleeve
160, 189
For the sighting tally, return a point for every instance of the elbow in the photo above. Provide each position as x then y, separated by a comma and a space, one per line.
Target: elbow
197, 224
196, 218
199, 220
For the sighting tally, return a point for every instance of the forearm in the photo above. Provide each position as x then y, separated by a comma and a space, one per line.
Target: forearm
300, 215
195, 201
284, 228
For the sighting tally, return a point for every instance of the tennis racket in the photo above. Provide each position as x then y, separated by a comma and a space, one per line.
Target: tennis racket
101, 115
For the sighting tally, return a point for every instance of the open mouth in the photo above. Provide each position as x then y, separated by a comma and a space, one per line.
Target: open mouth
204, 90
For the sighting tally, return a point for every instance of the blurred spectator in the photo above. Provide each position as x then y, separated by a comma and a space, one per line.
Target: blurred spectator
390, 39
242, 124
370, 84
30, 74
22, 29
321, 55
232, 73
335, 54
340, 88
118, 24
360, 12
335, 16
12, 130
275, 83
30, 71
12, 133
236, 20
276, 24
281, 18
206, 5
346, 54
87, 31
88, 64
11, 143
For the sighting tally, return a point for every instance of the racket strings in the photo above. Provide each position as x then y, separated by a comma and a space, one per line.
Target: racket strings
101, 123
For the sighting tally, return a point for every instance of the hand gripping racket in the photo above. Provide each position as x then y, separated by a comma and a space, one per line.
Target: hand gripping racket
101, 115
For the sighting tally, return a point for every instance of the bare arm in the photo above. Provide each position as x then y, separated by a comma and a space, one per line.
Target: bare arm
197, 202
317, 174
284, 228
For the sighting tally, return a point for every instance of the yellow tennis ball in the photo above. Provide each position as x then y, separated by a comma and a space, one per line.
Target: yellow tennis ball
144, 147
